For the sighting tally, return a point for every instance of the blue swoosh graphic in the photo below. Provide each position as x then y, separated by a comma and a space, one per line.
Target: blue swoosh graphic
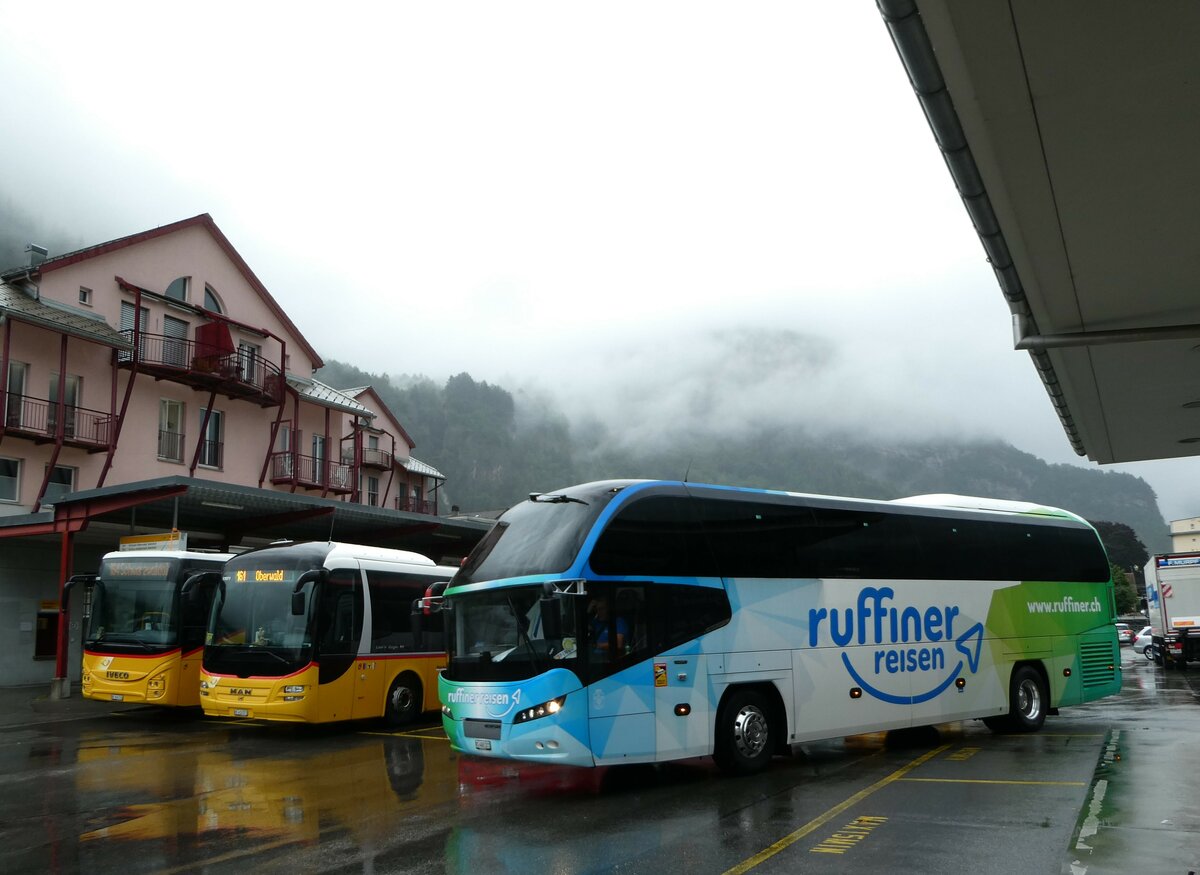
901, 700
968, 644
515, 700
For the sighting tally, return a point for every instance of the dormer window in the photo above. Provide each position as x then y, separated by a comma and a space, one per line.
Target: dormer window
178, 289
211, 301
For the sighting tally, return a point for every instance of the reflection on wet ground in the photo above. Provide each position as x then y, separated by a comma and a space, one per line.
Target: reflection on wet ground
150, 793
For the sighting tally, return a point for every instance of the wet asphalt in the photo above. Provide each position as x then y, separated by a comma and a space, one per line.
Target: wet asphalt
94, 787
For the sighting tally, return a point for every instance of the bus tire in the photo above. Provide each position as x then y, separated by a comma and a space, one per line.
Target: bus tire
743, 733
403, 703
1027, 700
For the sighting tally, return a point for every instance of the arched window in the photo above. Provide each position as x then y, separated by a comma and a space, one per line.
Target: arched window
178, 289
211, 301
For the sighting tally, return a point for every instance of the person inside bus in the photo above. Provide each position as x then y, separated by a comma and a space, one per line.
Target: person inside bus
599, 626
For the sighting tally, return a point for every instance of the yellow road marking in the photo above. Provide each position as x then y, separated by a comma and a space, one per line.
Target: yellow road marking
982, 781
790, 839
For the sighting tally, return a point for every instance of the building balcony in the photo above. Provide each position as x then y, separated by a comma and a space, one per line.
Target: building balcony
37, 419
416, 505
310, 472
372, 457
239, 374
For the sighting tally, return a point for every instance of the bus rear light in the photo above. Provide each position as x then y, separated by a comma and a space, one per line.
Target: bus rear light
542, 710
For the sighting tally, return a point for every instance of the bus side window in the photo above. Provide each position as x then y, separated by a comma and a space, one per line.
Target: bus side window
341, 611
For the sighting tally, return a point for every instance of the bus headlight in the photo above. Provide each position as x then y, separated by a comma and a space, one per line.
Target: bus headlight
543, 710
294, 689
156, 687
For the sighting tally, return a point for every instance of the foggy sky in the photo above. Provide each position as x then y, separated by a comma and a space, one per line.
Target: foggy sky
657, 212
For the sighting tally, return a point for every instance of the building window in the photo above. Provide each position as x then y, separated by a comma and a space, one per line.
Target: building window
170, 430
178, 289
211, 301
10, 479
373, 491
248, 356
72, 386
175, 332
62, 482
211, 447
128, 312
318, 454
15, 401
85, 296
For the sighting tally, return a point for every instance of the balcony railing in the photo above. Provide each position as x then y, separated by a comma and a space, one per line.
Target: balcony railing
240, 374
212, 453
170, 445
416, 505
310, 472
38, 419
372, 457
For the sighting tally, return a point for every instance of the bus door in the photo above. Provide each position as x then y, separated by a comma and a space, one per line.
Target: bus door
621, 701
369, 671
341, 630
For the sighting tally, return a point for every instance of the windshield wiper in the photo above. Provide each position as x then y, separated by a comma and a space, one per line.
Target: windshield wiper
554, 499
256, 649
523, 634
121, 638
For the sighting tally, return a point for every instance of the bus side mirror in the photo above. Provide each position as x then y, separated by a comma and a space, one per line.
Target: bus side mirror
199, 580
93, 579
551, 607
313, 575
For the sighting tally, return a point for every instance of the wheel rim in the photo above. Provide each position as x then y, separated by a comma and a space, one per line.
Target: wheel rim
750, 730
1029, 699
402, 699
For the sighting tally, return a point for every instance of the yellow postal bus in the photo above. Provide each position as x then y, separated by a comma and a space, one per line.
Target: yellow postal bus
320, 632
145, 633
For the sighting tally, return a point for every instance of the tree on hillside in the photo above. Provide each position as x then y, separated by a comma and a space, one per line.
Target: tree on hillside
1125, 549
1124, 590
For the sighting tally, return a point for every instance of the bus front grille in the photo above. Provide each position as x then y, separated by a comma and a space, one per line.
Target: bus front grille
1098, 661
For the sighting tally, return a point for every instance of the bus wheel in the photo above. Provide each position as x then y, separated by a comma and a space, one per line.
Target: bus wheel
403, 701
743, 734
1028, 700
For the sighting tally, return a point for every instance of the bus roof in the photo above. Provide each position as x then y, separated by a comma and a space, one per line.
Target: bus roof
167, 554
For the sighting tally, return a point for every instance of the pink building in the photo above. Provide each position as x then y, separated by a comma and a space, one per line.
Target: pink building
162, 355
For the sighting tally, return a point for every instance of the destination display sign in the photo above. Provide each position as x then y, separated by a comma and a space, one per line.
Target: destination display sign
265, 575
136, 568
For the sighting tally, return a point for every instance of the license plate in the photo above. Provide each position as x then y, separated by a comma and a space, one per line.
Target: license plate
118, 697
240, 712
482, 744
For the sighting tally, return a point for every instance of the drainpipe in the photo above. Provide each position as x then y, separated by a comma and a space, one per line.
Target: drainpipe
4, 373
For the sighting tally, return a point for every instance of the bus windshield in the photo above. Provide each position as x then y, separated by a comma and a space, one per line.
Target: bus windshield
540, 536
135, 606
252, 629
498, 635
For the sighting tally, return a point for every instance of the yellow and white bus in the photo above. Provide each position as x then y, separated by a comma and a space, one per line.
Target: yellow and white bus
145, 634
321, 632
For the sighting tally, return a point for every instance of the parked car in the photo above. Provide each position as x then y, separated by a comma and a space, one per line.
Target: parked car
1142, 641
1124, 633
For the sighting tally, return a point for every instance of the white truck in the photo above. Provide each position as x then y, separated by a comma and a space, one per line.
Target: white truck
1173, 602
